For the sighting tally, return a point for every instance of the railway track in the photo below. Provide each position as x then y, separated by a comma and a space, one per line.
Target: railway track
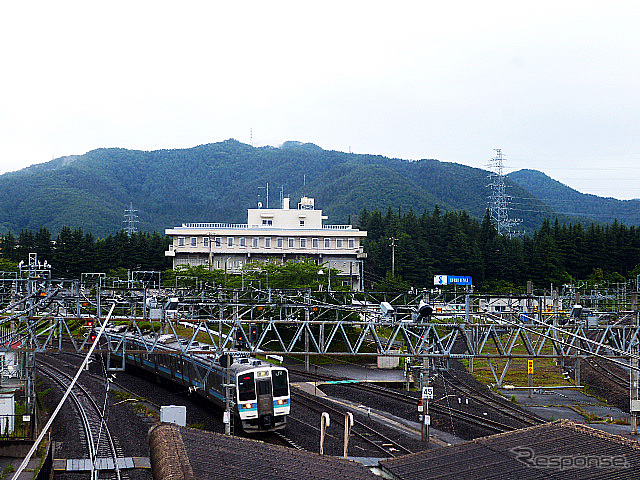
97, 440
608, 373
113, 382
487, 398
461, 415
364, 432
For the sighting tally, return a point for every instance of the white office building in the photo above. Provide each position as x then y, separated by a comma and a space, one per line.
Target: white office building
272, 235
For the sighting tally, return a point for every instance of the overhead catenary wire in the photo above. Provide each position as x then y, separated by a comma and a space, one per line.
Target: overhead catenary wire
578, 337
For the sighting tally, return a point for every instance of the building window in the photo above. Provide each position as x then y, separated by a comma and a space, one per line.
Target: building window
230, 241
255, 242
292, 243
352, 243
243, 242
267, 242
327, 243
303, 243
194, 241
302, 223
181, 241
280, 242
314, 243
338, 243
205, 242
218, 242
267, 222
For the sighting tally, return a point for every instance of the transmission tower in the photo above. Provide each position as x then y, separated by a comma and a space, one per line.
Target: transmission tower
498, 199
130, 219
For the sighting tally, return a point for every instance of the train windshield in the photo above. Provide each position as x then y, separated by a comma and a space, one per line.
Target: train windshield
280, 383
264, 387
246, 387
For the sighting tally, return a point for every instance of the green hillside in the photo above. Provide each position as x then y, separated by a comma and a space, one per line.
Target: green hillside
218, 182
567, 201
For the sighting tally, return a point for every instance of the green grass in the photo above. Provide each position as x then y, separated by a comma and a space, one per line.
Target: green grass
546, 372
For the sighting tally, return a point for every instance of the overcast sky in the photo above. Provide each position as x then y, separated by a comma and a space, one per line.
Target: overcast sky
556, 84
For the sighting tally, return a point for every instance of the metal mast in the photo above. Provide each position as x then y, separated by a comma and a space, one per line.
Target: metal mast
498, 199
130, 219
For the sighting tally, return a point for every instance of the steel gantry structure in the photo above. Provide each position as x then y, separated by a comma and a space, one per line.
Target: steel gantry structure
52, 315
301, 322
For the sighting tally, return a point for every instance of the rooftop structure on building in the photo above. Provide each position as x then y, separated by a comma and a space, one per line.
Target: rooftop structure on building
272, 235
559, 450
180, 453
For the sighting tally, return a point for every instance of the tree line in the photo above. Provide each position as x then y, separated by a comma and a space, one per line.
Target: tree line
453, 243
74, 252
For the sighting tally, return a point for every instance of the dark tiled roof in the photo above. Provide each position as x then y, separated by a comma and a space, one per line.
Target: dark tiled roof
493, 457
179, 453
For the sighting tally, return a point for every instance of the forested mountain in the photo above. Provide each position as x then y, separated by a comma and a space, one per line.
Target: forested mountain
218, 182
566, 200
453, 243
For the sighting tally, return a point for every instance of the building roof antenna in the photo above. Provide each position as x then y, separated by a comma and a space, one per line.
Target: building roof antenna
267, 196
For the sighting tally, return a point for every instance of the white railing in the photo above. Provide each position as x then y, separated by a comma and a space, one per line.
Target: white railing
338, 227
216, 225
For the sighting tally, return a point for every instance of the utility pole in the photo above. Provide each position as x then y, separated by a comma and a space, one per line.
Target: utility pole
393, 241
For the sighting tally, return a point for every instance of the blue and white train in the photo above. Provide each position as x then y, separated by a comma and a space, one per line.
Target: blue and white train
261, 394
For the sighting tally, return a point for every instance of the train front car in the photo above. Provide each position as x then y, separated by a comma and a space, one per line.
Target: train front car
263, 398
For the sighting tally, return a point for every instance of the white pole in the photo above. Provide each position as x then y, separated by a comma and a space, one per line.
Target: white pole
325, 421
348, 423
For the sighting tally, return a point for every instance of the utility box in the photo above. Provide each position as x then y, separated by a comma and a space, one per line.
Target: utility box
7, 414
386, 309
388, 362
174, 414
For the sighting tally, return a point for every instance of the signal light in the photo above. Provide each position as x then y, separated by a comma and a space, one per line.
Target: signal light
239, 338
253, 333
93, 336
90, 323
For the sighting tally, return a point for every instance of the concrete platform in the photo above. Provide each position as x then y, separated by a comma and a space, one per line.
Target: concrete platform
572, 405
412, 429
360, 372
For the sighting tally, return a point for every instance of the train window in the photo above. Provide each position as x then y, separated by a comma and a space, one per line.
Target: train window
246, 387
280, 383
264, 387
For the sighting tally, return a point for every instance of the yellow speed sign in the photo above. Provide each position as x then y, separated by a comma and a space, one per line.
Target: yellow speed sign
530, 367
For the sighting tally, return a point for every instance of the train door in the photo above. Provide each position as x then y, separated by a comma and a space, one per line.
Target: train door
265, 402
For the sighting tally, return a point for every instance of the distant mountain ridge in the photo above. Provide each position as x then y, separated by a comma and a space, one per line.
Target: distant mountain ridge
218, 182
568, 201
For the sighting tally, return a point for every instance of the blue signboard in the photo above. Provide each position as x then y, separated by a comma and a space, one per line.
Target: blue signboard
452, 279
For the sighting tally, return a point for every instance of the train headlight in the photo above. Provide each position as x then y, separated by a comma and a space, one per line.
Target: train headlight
282, 402
248, 405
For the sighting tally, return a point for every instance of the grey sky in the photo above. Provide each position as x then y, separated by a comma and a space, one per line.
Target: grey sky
554, 84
